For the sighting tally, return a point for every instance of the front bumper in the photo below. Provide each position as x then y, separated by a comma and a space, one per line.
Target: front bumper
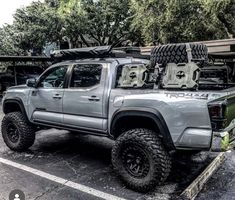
224, 140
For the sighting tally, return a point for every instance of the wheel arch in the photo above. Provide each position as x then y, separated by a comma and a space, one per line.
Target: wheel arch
148, 118
14, 105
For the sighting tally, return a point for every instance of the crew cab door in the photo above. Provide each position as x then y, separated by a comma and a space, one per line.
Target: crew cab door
46, 99
84, 99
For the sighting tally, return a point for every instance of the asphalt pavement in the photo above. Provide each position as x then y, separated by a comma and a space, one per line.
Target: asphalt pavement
84, 162
221, 185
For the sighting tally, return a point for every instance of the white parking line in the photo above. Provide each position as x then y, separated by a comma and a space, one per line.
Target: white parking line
62, 181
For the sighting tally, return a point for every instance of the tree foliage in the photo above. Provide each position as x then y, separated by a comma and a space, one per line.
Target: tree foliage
9, 41
33, 27
223, 13
103, 22
116, 22
108, 20
174, 21
37, 24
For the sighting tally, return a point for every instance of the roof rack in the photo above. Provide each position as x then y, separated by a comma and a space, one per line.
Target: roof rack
129, 49
223, 55
98, 52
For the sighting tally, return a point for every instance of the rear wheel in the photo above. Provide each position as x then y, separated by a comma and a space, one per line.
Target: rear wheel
140, 159
17, 133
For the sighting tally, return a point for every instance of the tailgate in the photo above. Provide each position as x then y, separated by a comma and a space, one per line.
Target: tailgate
222, 111
230, 109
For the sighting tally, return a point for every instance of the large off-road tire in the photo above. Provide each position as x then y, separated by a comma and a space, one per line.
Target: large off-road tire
17, 132
140, 159
177, 53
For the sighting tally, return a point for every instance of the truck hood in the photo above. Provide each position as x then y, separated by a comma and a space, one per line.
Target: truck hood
18, 87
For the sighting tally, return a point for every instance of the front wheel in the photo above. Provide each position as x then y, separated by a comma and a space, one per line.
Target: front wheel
17, 133
140, 159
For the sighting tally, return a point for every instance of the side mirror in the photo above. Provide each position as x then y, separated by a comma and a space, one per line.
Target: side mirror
31, 82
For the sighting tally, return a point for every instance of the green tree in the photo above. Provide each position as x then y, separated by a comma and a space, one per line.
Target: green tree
102, 22
9, 40
33, 27
37, 25
108, 20
74, 22
116, 22
78, 22
174, 21
223, 13
148, 16
186, 21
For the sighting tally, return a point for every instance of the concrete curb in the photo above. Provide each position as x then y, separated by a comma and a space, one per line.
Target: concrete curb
196, 186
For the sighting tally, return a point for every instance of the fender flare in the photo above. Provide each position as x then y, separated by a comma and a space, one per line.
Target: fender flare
153, 114
17, 101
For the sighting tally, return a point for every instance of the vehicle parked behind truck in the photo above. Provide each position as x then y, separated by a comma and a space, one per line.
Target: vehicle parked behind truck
15, 70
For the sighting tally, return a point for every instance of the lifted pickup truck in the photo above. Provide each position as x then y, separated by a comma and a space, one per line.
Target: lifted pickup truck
150, 108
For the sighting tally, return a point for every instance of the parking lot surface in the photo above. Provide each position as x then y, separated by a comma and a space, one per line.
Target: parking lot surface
221, 185
83, 163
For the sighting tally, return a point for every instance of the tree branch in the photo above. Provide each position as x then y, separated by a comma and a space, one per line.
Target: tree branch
84, 40
94, 37
228, 26
119, 41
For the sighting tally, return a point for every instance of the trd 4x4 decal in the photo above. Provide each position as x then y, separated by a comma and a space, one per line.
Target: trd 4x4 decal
187, 95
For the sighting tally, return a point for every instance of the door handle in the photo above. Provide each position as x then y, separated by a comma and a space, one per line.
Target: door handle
93, 98
57, 96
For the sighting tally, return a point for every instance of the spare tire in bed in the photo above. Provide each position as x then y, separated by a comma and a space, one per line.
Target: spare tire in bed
178, 53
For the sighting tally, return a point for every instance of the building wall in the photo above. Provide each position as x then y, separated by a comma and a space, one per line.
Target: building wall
214, 46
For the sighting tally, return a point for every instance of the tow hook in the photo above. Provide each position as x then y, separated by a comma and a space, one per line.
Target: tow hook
224, 140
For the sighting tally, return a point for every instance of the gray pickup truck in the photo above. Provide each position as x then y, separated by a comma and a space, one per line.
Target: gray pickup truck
149, 107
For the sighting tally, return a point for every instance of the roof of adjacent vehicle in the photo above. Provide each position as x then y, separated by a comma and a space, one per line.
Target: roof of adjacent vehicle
24, 58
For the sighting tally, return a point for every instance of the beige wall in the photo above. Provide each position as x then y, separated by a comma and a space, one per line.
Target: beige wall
217, 46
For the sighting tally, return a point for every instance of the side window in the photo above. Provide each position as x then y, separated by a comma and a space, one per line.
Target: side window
86, 75
54, 78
